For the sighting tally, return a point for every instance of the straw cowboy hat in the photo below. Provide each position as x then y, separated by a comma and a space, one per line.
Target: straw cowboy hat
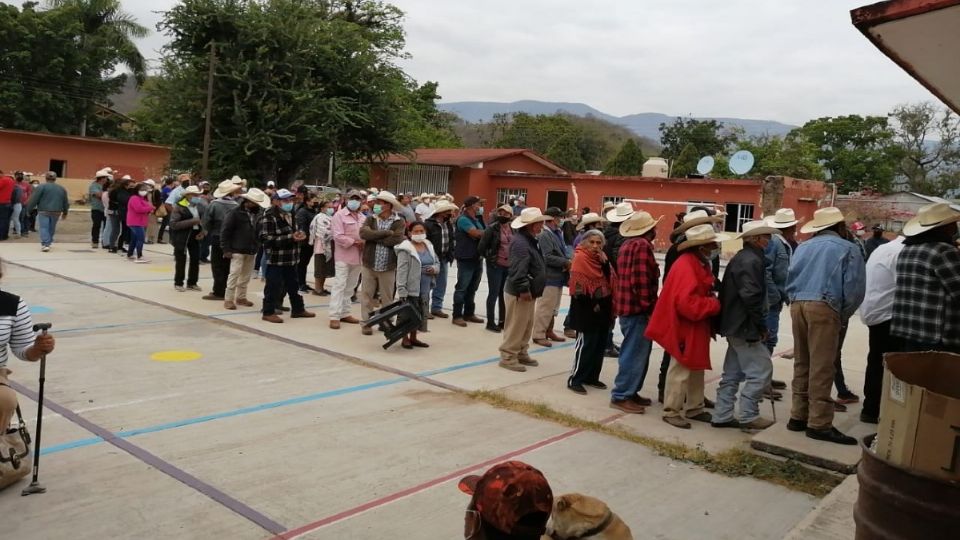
822, 219
444, 206
607, 206
226, 188
529, 216
104, 173
254, 195
191, 190
638, 224
150, 182
387, 197
757, 228
620, 214
700, 235
930, 217
238, 181
697, 217
783, 219
589, 219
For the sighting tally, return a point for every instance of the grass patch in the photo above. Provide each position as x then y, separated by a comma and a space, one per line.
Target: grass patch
734, 462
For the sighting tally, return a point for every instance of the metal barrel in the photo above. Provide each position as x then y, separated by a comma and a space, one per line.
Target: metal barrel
895, 503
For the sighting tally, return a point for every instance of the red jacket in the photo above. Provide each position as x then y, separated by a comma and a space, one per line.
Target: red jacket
681, 319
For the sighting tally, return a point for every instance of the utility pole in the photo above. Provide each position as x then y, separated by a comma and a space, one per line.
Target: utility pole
205, 163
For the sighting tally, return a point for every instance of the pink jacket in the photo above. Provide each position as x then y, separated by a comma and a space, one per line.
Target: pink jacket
346, 231
138, 211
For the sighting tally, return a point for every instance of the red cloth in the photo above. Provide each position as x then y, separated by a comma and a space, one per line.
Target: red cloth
681, 319
6, 189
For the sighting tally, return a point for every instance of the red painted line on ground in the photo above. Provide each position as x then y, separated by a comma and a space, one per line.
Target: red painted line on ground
370, 505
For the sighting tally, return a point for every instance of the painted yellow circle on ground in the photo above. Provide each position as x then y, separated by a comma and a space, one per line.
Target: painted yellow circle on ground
175, 356
160, 269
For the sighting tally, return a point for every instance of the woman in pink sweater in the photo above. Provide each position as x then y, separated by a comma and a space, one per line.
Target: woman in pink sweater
138, 216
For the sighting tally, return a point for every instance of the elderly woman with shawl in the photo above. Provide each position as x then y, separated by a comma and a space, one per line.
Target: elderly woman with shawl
592, 279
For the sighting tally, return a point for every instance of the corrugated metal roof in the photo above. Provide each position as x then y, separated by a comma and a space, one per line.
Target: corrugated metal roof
465, 157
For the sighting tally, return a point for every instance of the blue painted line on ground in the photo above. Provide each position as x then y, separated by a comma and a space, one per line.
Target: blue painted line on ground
122, 325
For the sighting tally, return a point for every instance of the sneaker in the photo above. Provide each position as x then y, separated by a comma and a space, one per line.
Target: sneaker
677, 422
727, 424
577, 389
273, 318
529, 362
229, 305
303, 315
142, 261
757, 424
598, 385
848, 397
195, 288
797, 425
512, 366
869, 419
179, 288
831, 435
45, 249
627, 405
702, 417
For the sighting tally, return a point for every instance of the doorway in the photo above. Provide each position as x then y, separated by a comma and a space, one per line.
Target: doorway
59, 167
737, 215
558, 199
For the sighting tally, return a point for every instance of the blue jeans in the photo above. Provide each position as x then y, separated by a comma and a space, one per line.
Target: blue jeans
750, 364
469, 274
440, 287
773, 327
496, 279
634, 357
48, 227
137, 237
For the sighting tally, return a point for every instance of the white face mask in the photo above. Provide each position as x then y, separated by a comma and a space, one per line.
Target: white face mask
143, 192
419, 238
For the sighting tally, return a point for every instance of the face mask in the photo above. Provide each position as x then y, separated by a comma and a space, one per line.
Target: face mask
194, 201
353, 205
143, 192
377, 209
479, 210
715, 254
503, 219
418, 237
329, 211
287, 207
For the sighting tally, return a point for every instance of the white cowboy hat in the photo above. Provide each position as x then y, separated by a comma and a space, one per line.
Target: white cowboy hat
237, 180
104, 173
226, 188
126, 177
443, 206
697, 217
255, 195
638, 224
589, 219
388, 197
757, 228
620, 214
608, 206
822, 219
700, 235
930, 217
191, 190
783, 219
529, 216
150, 182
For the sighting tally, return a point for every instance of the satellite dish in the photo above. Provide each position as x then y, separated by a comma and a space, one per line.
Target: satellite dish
705, 165
741, 162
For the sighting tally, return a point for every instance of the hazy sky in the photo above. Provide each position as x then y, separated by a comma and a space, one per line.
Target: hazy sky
787, 60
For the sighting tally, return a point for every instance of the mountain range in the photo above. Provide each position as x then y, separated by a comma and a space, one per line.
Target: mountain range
643, 124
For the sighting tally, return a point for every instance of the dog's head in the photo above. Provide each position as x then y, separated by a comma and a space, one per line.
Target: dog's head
575, 513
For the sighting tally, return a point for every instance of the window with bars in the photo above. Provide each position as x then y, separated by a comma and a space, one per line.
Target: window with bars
737, 215
615, 199
418, 179
505, 194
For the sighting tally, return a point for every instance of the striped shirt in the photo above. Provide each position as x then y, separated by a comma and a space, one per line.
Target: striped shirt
16, 327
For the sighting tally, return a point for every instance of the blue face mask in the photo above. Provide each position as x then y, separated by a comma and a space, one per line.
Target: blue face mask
329, 211
287, 207
479, 210
194, 201
353, 205
377, 209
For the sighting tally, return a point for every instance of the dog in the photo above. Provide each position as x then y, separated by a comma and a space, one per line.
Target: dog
577, 516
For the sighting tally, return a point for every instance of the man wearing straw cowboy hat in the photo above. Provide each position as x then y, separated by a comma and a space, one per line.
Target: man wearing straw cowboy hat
380, 232
239, 244
634, 297
555, 257
611, 234
681, 324
825, 285
926, 305
223, 203
743, 297
526, 280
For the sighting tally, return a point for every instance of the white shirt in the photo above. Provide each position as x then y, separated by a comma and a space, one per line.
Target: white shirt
424, 210
16, 331
877, 306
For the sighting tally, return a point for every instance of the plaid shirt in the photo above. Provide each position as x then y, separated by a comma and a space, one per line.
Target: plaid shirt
638, 278
926, 304
276, 234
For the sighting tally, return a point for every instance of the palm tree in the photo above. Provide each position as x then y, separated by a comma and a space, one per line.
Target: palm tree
105, 24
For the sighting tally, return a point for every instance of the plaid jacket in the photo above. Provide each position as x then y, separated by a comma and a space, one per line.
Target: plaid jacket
926, 304
638, 278
276, 234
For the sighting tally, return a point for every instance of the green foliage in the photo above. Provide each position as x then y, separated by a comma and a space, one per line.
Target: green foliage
857, 152
704, 137
792, 155
566, 153
428, 127
686, 162
58, 64
628, 161
929, 140
295, 80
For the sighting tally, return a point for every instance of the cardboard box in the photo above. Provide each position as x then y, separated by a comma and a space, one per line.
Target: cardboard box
920, 413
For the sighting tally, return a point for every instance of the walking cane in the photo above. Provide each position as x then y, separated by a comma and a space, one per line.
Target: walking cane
35, 485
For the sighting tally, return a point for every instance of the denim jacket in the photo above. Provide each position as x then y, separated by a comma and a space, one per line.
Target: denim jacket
828, 269
777, 259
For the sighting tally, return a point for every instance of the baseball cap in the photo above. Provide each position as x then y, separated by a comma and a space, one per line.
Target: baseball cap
471, 200
283, 193
878, 227
553, 211
512, 496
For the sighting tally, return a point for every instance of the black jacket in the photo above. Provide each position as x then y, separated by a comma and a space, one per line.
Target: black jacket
743, 295
435, 236
182, 224
303, 217
614, 240
239, 232
490, 242
528, 272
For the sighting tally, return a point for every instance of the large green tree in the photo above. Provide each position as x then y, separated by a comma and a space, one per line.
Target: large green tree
703, 137
857, 152
566, 153
294, 80
628, 161
792, 155
929, 139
